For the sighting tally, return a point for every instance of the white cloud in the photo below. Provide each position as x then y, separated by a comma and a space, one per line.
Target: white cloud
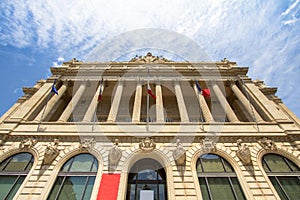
260, 34
60, 59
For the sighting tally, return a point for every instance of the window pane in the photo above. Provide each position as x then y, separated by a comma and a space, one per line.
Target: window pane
228, 167
6, 183
72, 188
147, 174
82, 163
265, 166
55, 188
3, 164
89, 188
278, 189
199, 169
204, 190
220, 188
294, 167
276, 163
18, 162
95, 165
132, 192
16, 188
162, 194
237, 188
66, 166
291, 185
212, 163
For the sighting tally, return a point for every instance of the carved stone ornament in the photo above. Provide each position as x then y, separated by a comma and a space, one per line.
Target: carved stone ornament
147, 144
267, 144
179, 154
87, 143
27, 143
51, 152
208, 144
115, 154
243, 152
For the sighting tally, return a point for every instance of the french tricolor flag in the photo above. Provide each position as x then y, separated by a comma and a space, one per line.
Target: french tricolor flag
204, 92
150, 92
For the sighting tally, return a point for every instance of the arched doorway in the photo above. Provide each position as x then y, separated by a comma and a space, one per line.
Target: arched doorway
147, 179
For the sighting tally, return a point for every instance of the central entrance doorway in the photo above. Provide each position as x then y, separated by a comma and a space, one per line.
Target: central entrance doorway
147, 181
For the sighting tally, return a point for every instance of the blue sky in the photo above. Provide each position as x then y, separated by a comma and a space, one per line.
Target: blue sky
263, 35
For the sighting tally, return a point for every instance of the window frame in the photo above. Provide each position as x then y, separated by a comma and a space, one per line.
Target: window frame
226, 175
64, 175
18, 174
275, 175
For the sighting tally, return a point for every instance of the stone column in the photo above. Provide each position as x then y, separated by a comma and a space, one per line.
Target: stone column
180, 102
245, 102
159, 104
93, 105
30, 103
204, 107
116, 103
136, 114
51, 103
72, 104
225, 105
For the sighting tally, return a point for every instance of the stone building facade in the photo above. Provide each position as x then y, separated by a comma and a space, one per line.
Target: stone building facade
104, 137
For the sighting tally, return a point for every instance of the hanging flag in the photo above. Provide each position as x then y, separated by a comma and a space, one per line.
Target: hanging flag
204, 92
53, 89
100, 91
150, 92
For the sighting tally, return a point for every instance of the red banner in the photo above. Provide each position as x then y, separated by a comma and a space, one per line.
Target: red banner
109, 187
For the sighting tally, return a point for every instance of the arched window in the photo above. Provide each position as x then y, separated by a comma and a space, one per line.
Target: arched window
76, 178
217, 179
13, 171
147, 179
284, 175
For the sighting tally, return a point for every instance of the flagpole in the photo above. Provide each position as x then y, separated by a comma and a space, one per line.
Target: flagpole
48, 97
147, 126
200, 110
99, 98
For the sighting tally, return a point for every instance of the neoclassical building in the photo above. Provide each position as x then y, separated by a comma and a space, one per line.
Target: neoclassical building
149, 128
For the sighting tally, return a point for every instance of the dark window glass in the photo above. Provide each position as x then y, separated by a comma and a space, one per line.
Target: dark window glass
284, 175
19, 164
76, 179
217, 179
